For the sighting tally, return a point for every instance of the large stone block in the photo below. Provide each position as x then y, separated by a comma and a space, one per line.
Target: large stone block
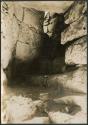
75, 30
62, 118
28, 44
30, 35
19, 109
77, 20
24, 52
68, 109
34, 18
76, 53
75, 11
9, 34
58, 6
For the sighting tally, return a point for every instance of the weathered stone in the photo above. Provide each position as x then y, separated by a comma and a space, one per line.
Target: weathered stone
30, 40
60, 118
70, 81
68, 109
74, 103
38, 120
76, 53
19, 12
34, 18
20, 108
8, 37
58, 6
76, 119
53, 25
75, 11
77, 22
24, 52
75, 30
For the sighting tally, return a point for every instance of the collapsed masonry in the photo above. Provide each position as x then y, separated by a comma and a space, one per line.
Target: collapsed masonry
46, 50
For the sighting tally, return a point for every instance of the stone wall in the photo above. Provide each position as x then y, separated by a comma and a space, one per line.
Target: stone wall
75, 34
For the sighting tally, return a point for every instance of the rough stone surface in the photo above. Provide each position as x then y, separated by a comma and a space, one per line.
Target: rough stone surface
58, 6
38, 120
53, 25
76, 53
21, 31
20, 109
77, 20
8, 41
71, 80
75, 11
59, 97
59, 118
34, 18
74, 104
30, 37
75, 30
19, 12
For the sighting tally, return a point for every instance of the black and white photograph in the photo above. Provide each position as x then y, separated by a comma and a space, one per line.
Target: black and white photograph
44, 62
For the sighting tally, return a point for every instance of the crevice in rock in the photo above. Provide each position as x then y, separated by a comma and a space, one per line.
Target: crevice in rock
73, 41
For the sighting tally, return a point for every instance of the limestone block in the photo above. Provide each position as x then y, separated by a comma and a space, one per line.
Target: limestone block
76, 53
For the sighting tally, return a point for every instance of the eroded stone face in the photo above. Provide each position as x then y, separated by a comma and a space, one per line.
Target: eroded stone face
76, 53
77, 9
53, 24
75, 30
30, 35
9, 34
77, 20
19, 111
